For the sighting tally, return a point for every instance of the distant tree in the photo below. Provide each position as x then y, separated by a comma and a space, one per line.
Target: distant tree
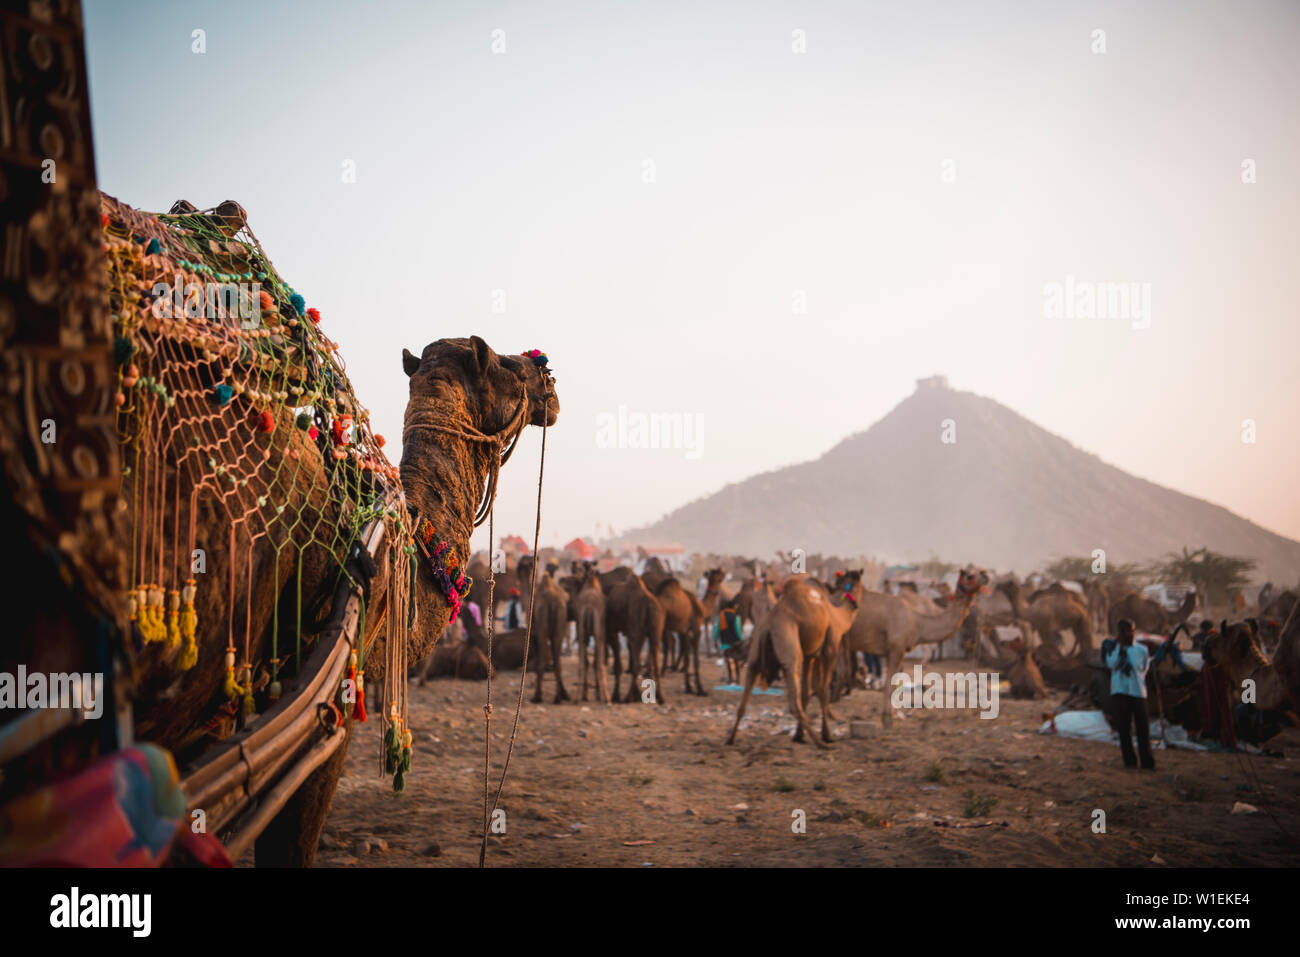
934, 567
1079, 568
1215, 576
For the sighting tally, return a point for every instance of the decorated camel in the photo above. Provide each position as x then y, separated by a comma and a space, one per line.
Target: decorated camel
261, 516
1259, 694
800, 638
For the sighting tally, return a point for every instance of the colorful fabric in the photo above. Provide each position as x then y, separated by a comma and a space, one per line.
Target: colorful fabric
124, 810
727, 628
443, 565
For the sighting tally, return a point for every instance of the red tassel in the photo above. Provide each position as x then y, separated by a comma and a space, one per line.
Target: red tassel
359, 686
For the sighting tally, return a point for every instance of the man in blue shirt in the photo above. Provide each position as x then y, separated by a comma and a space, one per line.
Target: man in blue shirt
1128, 662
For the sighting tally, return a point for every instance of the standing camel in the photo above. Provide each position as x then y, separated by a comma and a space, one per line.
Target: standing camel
891, 626
711, 603
548, 616
588, 610
1051, 610
1149, 616
803, 629
632, 611
683, 617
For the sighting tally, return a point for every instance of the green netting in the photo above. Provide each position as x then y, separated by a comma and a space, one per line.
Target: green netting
233, 402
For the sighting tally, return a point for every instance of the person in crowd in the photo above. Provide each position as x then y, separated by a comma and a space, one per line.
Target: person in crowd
514, 613
1128, 661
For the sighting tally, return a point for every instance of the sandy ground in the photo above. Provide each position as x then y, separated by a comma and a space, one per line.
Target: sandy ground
637, 785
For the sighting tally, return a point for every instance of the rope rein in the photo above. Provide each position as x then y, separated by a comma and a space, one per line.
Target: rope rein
468, 433
528, 640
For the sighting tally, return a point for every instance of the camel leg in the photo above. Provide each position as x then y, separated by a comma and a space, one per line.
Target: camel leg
794, 670
655, 676
695, 654
602, 679
539, 670
618, 668
633, 668
823, 687
684, 661
751, 673
892, 665
560, 693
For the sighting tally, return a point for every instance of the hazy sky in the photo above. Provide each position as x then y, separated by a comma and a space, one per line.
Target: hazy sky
777, 176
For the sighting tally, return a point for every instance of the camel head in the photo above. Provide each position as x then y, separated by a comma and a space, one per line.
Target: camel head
494, 387
714, 577
1233, 646
848, 584
971, 582
584, 573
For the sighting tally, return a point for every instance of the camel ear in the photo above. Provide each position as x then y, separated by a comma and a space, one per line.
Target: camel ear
409, 362
482, 352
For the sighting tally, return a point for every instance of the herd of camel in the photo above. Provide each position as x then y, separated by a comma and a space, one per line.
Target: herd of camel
810, 631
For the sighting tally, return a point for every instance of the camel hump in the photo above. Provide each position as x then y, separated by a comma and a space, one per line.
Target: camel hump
666, 585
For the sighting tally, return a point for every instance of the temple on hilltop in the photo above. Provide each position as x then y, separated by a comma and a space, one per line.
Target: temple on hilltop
933, 382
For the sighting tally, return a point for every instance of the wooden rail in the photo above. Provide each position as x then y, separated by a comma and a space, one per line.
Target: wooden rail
245, 780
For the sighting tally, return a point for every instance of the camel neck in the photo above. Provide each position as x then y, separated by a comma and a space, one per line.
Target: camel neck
934, 628
1018, 604
443, 478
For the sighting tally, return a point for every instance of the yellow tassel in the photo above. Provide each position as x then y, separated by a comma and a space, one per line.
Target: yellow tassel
231, 687
173, 619
152, 626
189, 623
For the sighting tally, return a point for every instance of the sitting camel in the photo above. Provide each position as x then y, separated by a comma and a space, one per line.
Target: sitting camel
1025, 678
804, 628
455, 658
1235, 649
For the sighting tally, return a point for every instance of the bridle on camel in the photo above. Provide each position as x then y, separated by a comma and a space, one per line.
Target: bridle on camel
511, 433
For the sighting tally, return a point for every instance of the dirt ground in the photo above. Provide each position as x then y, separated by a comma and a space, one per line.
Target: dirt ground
637, 785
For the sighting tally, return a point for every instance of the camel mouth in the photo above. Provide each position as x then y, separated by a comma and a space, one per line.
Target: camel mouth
543, 403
